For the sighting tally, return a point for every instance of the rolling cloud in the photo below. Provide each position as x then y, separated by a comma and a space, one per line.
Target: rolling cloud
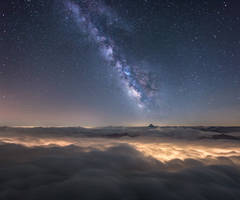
100, 167
120, 172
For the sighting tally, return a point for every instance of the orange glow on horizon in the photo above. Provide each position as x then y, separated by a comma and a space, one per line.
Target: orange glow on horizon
163, 151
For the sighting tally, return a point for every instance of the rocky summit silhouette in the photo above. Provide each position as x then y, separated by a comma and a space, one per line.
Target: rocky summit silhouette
151, 126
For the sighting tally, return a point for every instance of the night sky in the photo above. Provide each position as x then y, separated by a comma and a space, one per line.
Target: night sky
119, 62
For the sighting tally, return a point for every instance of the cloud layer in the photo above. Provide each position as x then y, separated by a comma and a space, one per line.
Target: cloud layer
120, 172
116, 168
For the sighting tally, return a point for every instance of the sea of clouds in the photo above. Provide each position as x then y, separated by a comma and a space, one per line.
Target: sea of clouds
174, 163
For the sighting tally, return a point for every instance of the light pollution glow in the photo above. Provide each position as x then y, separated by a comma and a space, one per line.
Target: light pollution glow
162, 150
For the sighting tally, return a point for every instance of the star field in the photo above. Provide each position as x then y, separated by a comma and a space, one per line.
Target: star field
119, 62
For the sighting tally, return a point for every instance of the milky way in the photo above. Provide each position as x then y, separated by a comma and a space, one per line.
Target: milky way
87, 16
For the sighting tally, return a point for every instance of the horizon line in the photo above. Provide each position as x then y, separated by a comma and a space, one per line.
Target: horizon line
115, 126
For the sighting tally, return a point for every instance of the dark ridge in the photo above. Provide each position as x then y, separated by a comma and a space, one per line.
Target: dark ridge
221, 137
219, 129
